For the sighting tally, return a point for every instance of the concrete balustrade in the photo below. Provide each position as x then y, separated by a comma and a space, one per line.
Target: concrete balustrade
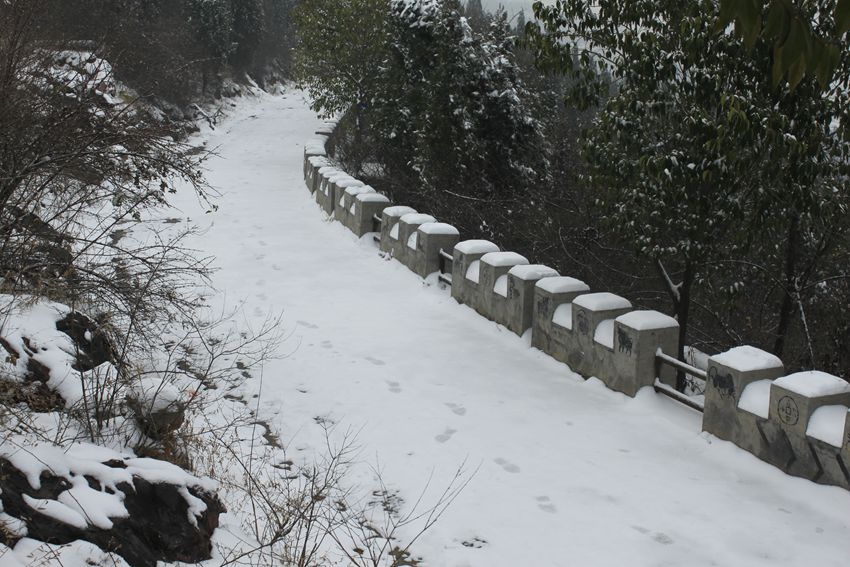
408, 225
423, 258
519, 308
319, 166
328, 129
316, 164
553, 313
793, 401
366, 207
343, 211
314, 147
589, 311
729, 374
323, 185
638, 335
491, 301
320, 178
466, 260
799, 423
333, 188
390, 217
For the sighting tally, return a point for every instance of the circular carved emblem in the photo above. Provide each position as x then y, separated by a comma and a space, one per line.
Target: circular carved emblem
788, 412
583, 323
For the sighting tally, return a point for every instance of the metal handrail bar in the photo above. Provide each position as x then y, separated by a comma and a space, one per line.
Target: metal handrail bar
670, 392
678, 364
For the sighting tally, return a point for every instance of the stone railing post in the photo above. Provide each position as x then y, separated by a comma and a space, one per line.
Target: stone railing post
366, 206
520, 306
344, 211
390, 228
729, 373
553, 314
493, 283
466, 256
637, 337
430, 239
590, 311
405, 246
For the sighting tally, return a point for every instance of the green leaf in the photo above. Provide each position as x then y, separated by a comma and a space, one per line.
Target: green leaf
779, 69
748, 21
778, 22
728, 9
796, 72
842, 16
795, 46
827, 62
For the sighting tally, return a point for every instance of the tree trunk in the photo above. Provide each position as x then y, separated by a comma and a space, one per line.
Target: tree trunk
683, 311
680, 295
786, 309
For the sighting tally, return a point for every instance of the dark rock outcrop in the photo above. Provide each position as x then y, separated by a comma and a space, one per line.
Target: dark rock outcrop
92, 343
157, 529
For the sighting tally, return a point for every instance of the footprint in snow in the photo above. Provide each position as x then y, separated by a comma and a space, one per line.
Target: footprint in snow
545, 504
395, 387
262, 297
456, 409
276, 268
507, 466
327, 344
307, 325
446, 435
658, 537
474, 543
376, 361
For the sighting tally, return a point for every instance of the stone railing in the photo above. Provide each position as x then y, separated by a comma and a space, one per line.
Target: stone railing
798, 422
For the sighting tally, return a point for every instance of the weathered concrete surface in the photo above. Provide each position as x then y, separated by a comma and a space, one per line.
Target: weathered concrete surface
728, 375
366, 207
344, 211
519, 312
589, 310
749, 403
390, 228
550, 295
637, 337
465, 255
315, 165
315, 147
793, 400
492, 301
405, 246
431, 237
324, 194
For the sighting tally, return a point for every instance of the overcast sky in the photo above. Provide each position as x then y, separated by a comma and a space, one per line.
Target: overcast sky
512, 6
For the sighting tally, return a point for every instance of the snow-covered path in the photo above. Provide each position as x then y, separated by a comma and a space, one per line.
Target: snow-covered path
570, 473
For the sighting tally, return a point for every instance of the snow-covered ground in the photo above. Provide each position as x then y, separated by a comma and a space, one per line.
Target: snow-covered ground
568, 472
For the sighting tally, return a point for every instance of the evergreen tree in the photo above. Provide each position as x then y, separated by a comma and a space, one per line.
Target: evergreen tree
697, 154
476, 15
519, 27
249, 28
463, 115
